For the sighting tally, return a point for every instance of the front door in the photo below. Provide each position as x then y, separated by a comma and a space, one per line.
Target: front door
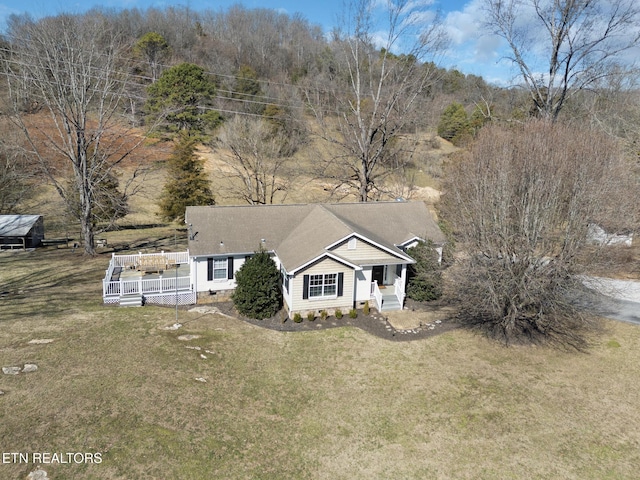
377, 274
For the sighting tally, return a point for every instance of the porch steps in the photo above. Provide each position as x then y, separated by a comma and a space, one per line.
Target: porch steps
134, 300
390, 302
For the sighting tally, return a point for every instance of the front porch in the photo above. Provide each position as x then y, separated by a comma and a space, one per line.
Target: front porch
388, 287
156, 278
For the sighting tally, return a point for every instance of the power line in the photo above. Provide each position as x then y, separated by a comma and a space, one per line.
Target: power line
129, 84
231, 95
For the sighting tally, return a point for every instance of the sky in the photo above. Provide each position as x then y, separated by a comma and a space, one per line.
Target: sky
471, 50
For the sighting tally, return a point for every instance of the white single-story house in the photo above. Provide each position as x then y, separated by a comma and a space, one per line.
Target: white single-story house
21, 231
330, 255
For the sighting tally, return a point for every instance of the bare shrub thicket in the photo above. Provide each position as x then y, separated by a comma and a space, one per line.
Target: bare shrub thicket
521, 201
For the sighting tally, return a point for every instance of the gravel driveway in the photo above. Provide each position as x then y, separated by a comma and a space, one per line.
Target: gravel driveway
615, 299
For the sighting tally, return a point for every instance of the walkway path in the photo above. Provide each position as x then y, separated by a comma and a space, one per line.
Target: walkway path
616, 299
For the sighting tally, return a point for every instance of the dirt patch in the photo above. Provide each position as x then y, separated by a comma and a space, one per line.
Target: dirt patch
411, 319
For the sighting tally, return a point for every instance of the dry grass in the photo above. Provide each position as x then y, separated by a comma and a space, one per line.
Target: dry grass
304, 187
328, 404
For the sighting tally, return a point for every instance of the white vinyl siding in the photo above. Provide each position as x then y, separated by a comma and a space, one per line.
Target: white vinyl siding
363, 285
205, 278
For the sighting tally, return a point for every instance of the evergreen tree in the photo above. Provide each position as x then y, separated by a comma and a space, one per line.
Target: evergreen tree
479, 118
247, 88
184, 95
187, 183
454, 123
425, 277
154, 49
258, 294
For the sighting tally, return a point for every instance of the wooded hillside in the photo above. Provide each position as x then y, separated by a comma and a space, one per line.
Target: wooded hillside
334, 111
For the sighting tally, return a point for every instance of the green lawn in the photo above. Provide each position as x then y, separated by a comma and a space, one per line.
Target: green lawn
332, 404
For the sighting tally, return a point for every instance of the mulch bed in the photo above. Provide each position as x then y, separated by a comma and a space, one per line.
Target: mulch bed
374, 323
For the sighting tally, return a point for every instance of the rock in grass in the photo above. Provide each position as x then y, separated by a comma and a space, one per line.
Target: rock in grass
37, 474
175, 326
11, 370
186, 338
29, 367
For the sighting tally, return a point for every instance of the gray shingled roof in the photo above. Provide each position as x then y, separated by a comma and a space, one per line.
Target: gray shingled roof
17, 225
300, 233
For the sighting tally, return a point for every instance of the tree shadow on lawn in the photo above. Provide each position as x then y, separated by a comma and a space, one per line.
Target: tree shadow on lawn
48, 282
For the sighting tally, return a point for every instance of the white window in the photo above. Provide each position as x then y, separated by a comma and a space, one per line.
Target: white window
323, 285
352, 243
219, 269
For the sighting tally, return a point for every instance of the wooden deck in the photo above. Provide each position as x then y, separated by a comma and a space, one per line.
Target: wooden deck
163, 278
129, 274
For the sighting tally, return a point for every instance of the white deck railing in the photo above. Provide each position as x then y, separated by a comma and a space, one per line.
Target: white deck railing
399, 290
377, 294
143, 286
146, 286
136, 259
108, 275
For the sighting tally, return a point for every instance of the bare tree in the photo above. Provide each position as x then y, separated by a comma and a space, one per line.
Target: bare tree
521, 201
563, 46
72, 68
373, 92
17, 176
257, 164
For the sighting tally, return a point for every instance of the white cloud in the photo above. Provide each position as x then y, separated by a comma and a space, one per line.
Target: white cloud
472, 48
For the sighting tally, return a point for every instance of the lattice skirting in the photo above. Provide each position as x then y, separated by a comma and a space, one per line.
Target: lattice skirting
111, 300
186, 298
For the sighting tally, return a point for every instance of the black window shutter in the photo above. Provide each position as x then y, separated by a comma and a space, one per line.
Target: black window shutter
209, 269
399, 270
229, 268
340, 283
305, 287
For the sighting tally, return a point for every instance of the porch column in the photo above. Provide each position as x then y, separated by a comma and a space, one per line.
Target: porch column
403, 281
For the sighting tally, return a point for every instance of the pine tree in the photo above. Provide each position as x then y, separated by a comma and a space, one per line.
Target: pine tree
187, 183
425, 276
454, 123
184, 95
247, 88
258, 294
